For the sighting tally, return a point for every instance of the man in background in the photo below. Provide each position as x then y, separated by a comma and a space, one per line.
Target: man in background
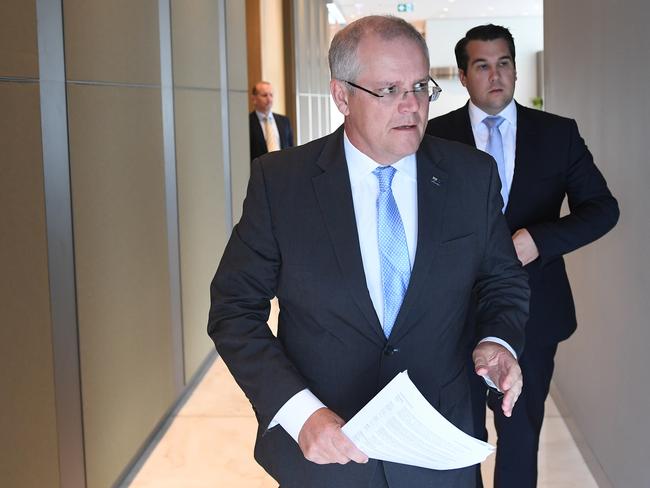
541, 159
268, 131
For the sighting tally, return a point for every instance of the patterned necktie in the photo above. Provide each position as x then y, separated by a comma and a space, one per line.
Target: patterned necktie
495, 149
393, 251
269, 136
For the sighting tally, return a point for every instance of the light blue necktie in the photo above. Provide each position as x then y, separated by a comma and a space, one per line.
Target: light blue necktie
495, 149
393, 251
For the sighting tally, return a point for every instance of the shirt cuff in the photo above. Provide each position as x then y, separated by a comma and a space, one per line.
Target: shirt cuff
295, 412
503, 343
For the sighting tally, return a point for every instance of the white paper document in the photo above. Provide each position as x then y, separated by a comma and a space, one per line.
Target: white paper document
401, 426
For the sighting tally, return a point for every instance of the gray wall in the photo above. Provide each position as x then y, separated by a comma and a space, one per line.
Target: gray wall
123, 160
597, 71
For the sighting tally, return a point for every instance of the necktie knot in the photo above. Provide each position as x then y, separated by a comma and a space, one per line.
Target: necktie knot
493, 121
384, 175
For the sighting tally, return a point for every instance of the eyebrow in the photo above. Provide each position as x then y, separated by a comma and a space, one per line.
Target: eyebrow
483, 60
395, 83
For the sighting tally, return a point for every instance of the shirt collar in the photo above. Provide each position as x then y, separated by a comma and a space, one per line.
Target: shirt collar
360, 165
261, 116
476, 115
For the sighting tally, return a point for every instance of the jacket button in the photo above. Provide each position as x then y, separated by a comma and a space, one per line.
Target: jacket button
390, 350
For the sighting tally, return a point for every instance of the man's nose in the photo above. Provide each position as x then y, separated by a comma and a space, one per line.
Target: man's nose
409, 101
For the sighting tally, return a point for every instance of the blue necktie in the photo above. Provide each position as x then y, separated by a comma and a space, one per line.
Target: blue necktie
393, 251
495, 149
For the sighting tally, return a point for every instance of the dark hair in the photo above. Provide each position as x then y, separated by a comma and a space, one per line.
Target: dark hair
343, 61
488, 32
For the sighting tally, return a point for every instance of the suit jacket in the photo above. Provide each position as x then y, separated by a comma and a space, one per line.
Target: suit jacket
551, 162
297, 240
257, 141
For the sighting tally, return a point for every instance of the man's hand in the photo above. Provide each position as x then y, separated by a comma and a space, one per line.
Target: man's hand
525, 246
322, 441
496, 362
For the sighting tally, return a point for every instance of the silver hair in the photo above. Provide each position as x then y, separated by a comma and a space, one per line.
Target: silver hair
343, 61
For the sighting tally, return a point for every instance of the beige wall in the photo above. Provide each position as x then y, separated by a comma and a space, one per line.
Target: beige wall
596, 71
272, 43
28, 443
131, 264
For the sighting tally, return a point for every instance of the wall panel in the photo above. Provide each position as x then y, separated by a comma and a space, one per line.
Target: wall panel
202, 222
28, 419
117, 178
18, 39
597, 74
115, 41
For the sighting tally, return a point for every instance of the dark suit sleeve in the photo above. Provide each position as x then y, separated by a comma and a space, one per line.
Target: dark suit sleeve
240, 292
593, 209
501, 288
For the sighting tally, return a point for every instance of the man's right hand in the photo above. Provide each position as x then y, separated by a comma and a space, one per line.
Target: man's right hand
323, 442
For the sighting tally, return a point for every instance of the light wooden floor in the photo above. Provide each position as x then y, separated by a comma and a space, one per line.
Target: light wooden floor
210, 444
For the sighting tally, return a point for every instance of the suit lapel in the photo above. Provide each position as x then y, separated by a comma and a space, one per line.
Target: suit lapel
334, 195
463, 126
525, 151
432, 192
257, 129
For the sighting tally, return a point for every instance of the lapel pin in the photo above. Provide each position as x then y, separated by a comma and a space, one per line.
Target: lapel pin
435, 181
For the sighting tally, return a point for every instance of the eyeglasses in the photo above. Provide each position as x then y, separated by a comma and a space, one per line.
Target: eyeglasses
430, 89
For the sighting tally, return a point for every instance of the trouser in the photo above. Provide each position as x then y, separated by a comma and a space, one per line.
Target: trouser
378, 479
518, 435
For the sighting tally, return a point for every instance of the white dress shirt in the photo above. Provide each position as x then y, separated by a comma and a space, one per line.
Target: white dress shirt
365, 188
508, 131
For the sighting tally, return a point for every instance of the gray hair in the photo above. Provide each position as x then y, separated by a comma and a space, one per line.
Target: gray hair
343, 61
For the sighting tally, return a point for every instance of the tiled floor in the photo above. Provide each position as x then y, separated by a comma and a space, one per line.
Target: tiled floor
210, 444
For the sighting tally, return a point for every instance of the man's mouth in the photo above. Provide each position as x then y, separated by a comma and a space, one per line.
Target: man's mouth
405, 127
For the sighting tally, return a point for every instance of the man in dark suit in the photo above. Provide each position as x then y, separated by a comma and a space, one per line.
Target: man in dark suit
541, 158
268, 131
373, 239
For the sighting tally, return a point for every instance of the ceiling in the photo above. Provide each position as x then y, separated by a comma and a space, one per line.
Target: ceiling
442, 9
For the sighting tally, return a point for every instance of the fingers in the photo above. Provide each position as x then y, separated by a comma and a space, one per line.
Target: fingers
348, 449
511, 386
322, 441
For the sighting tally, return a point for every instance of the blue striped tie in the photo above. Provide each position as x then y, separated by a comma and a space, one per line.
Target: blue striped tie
393, 251
495, 149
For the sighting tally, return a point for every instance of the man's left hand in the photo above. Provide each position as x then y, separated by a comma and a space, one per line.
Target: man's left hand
496, 362
525, 246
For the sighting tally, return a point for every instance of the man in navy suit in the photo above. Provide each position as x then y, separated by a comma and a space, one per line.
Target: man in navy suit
373, 239
543, 160
268, 131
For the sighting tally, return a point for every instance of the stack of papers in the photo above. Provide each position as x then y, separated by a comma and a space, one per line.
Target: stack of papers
399, 425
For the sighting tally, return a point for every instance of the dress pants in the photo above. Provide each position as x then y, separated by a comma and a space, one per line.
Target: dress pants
517, 436
378, 479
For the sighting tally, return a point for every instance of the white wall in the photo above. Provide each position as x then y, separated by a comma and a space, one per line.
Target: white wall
597, 71
442, 36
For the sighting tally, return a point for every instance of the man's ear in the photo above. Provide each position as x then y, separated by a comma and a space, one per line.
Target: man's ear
462, 77
340, 96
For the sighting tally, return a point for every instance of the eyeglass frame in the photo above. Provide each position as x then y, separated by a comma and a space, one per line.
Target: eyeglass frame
432, 98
